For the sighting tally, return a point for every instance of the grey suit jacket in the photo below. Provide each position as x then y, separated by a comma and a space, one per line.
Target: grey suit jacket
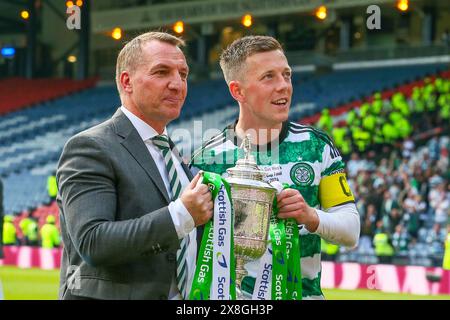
119, 238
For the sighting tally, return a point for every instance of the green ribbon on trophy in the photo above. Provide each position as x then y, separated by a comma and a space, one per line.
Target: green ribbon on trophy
294, 279
215, 272
281, 262
279, 274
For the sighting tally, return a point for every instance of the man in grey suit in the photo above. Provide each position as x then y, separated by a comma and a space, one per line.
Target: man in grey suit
121, 224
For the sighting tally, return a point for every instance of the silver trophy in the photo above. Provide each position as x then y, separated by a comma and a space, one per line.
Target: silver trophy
252, 200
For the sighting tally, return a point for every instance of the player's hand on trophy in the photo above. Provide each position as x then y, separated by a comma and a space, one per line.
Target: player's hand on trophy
292, 205
197, 199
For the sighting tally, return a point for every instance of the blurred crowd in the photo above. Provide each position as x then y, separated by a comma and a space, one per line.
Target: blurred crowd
29, 231
36, 226
384, 122
397, 154
403, 200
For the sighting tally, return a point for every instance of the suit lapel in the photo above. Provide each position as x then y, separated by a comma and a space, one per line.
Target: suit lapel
137, 148
187, 171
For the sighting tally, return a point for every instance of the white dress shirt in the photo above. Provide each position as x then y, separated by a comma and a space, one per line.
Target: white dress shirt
182, 220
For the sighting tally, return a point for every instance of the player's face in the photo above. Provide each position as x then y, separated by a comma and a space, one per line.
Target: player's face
267, 88
159, 83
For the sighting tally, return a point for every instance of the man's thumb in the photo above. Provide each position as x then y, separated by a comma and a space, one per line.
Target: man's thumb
196, 179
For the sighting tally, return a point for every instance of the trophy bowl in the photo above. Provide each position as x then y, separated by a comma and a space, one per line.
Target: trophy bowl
252, 200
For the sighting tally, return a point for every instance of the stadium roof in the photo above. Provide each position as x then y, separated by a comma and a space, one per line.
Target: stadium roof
10, 20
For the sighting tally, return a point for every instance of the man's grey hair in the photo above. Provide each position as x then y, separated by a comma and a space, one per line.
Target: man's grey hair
232, 59
131, 54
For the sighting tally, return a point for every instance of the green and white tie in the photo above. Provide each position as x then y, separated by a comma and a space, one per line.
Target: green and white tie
162, 142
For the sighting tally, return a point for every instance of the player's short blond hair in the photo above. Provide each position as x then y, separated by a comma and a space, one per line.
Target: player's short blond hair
232, 59
131, 54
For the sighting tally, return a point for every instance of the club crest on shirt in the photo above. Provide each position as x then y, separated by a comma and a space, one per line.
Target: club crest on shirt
302, 174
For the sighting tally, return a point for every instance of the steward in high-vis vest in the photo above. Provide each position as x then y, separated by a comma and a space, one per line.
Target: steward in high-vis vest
383, 248
52, 187
325, 121
9, 231
446, 261
352, 118
377, 104
364, 109
444, 107
329, 250
31, 233
29, 228
50, 234
389, 132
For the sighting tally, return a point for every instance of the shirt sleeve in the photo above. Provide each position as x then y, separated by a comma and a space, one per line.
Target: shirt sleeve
182, 219
339, 225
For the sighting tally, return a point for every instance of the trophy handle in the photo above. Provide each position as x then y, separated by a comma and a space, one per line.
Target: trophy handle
277, 185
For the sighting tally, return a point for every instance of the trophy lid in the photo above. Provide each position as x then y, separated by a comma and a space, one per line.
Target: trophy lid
246, 172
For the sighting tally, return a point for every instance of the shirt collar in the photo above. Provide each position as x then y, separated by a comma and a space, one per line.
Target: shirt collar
231, 133
146, 132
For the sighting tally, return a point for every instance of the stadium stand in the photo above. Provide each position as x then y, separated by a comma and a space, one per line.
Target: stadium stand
402, 188
38, 90
398, 195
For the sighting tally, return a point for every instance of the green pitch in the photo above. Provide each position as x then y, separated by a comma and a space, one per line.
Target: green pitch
36, 284
29, 284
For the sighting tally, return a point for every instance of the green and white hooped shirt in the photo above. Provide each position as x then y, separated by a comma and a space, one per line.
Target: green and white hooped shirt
304, 158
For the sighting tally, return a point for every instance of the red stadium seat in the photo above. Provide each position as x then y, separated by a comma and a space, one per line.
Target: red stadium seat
18, 93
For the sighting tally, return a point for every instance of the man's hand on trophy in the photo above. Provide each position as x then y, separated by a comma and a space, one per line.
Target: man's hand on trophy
292, 205
197, 199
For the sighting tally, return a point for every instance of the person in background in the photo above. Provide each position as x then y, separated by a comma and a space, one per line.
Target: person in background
329, 250
383, 246
325, 121
50, 237
29, 227
446, 261
9, 231
52, 186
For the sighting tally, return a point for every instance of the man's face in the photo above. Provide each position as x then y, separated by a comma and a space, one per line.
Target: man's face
267, 88
159, 83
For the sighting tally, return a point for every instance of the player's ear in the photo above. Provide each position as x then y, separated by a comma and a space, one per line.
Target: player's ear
236, 90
